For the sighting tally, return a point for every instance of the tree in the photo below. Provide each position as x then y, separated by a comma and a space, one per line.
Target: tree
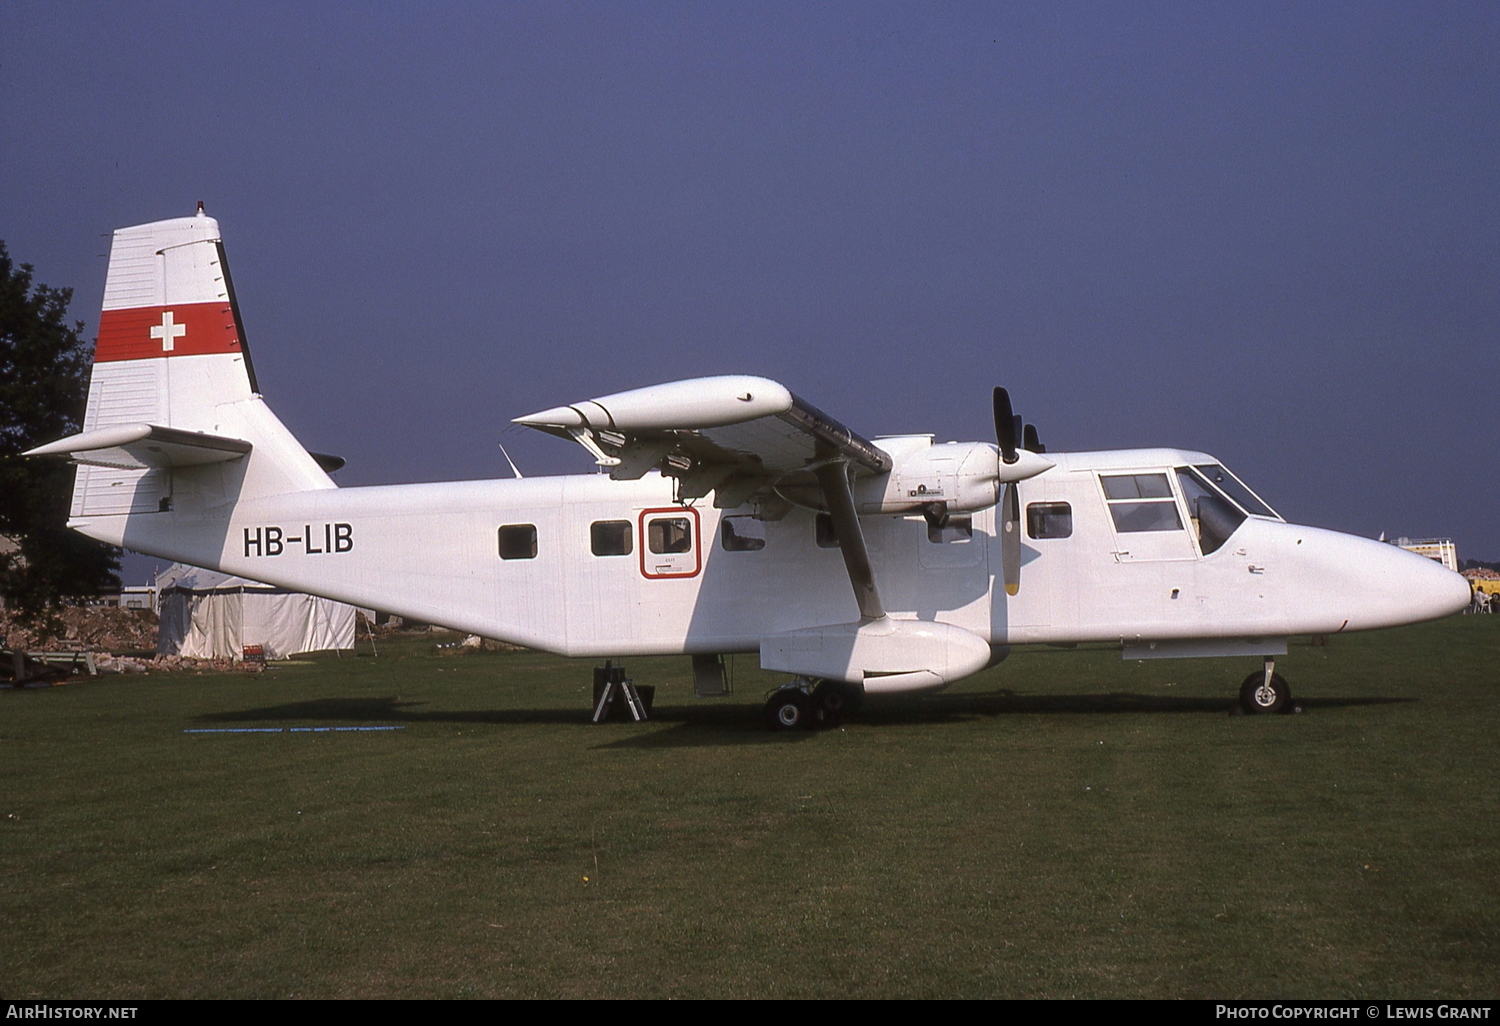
44, 382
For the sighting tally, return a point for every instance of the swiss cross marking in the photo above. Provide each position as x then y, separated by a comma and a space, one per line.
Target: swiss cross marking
168, 332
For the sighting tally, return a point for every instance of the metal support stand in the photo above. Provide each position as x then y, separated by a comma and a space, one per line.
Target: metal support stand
615, 685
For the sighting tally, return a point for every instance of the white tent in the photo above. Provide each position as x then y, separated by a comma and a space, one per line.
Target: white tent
209, 615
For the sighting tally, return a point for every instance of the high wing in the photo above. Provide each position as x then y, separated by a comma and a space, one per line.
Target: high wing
750, 440
743, 438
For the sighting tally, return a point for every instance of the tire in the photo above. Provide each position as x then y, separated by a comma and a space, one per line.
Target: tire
836, 700
1257, 699
789, 709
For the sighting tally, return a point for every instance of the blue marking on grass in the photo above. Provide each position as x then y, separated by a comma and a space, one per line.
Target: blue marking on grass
278, 730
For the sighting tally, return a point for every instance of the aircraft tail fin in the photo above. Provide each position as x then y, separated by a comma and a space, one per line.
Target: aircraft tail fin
174, 411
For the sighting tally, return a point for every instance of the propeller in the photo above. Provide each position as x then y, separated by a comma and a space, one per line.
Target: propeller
1008, 429
1005, 425
1010, 538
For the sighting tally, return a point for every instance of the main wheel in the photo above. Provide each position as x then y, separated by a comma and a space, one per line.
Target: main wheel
1256, 696
837, 700
789, 709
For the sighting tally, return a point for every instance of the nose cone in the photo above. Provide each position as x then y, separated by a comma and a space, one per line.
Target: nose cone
1414, 588
1456, 593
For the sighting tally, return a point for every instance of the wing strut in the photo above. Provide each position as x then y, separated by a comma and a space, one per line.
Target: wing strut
834, 478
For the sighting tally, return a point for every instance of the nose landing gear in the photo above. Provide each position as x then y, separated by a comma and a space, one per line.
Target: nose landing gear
1266, 691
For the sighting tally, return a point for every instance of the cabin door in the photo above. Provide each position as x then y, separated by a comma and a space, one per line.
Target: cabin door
671, 543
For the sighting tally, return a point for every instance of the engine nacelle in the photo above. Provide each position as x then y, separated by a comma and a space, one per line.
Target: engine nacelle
963, 477
960, 477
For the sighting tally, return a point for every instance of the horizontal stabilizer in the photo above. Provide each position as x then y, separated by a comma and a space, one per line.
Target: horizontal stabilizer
143, 446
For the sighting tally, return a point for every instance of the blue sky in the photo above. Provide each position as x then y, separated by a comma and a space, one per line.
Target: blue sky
1267, 231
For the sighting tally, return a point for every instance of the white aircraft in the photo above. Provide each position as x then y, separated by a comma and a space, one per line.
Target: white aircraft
733, 517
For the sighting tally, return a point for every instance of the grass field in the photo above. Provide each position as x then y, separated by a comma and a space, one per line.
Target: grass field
1063, 825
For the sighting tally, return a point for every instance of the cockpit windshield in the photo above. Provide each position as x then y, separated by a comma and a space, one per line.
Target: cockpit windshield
1214, 517
1236, 490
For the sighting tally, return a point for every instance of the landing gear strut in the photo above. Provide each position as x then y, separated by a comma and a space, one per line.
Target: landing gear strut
1266, 691
802, 704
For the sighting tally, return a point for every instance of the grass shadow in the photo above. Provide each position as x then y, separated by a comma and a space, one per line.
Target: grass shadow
1006, 702
731, 723
739, 724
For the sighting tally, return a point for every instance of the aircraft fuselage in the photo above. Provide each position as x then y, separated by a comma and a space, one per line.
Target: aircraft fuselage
435, 552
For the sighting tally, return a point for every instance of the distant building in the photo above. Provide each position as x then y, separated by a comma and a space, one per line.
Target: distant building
1439, 550
131, 597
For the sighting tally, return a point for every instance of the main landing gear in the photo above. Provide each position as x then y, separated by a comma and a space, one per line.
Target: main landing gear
803, 704
1266, 691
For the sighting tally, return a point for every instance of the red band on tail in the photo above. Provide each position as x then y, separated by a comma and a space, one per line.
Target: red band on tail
187, 329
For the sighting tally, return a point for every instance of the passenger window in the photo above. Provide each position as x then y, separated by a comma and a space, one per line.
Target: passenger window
518, 541
1049, 520
670, 535
957, 529
1141, 502
610, 538
827, 537
742, 534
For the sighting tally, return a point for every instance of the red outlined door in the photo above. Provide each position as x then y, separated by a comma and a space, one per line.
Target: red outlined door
670, 543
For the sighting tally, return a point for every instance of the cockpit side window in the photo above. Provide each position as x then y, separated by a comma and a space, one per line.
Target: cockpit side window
1141, 502
1233, 487
1214, 517
1137, 486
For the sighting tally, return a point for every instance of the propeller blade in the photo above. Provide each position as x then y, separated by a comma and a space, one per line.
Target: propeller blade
1030, 441
1010, 539
1005, 426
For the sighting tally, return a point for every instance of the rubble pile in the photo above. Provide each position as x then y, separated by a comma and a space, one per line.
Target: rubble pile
86, 629
474, 643
396, 627
176, 662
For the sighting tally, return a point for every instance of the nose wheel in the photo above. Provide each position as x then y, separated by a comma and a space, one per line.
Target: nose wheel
1266, 691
